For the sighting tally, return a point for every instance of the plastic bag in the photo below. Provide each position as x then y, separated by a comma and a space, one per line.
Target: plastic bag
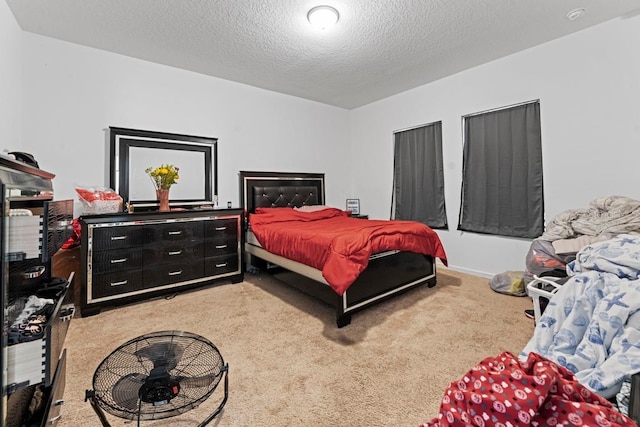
542, 257
509, 283
99, 200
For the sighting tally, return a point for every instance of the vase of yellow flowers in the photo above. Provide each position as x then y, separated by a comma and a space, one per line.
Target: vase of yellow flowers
163, 177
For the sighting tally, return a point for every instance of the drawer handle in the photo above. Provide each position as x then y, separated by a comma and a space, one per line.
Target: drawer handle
221, 265
175, 273
175, 252
221, 246
175, 233
118, 261
220, 228
54, 419
118, 237
124, 282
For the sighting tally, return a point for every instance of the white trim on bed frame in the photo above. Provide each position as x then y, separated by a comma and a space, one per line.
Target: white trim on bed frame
315, 274
286, 263
384, 295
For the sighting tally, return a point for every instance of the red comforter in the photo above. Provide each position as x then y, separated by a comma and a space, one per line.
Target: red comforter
340, 246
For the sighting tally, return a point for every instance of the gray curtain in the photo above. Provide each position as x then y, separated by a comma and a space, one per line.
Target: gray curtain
502, 190
418, 177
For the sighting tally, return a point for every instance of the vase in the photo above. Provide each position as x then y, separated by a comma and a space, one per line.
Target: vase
163, 200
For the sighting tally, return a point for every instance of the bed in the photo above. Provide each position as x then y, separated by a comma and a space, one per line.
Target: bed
387, 273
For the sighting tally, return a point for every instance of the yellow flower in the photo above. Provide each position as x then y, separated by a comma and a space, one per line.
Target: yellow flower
163, 176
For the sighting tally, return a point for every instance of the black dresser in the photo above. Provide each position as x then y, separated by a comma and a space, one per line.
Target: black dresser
137, 256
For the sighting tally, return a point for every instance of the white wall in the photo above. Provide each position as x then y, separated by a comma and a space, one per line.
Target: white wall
74, 93
588, 84
10, 80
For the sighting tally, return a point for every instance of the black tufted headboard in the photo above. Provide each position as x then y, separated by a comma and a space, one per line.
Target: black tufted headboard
281, 196
280, 189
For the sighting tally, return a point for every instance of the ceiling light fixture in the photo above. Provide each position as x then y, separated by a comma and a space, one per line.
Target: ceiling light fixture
575, 14
323, 17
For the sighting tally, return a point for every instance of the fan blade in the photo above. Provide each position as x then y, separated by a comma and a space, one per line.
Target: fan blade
162, 354
201, 381
126, 389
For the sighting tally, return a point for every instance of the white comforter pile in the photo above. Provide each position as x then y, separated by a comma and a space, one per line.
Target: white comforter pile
592, 324
610, 215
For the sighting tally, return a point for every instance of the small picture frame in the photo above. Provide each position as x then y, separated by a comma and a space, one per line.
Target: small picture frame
353, 205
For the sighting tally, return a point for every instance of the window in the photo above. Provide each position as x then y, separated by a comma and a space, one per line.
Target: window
418, 176
502, 189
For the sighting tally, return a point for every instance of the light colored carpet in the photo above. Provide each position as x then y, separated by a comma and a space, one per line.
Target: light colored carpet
290, 366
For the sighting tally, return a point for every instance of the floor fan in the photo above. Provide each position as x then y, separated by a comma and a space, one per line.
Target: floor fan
156, 376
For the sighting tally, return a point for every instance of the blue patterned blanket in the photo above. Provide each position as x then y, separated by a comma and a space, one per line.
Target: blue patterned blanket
591, 325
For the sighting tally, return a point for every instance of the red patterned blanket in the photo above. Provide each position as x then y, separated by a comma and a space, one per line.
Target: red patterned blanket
504, 391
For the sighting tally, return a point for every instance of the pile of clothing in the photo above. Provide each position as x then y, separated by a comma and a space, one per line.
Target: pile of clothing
571, 230
32, 320
591, 325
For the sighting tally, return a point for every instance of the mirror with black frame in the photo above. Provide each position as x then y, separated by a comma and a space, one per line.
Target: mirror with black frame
133, 151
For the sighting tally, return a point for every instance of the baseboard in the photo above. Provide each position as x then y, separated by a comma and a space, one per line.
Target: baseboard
465, 270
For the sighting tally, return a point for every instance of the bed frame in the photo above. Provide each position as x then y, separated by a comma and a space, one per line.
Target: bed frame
387, 274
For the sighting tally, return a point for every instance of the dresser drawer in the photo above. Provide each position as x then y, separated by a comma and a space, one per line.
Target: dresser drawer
117, 237
172, 252
165, 274
222, 229
120, 282
175, 232
41, 234
33, 362
117, 260
216, 266
224, 246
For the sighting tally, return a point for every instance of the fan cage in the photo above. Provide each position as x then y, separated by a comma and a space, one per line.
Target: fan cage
193, 361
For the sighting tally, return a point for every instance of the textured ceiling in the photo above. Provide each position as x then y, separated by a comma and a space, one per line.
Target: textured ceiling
378, 48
